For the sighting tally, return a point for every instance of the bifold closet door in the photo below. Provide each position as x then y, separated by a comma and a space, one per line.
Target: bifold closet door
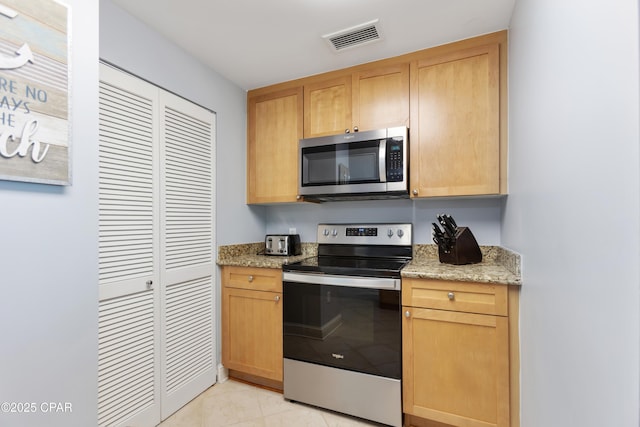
156, 312
129, 254
187, 268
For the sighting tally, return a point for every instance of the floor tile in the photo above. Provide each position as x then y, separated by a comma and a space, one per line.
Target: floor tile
236, 404
299, 416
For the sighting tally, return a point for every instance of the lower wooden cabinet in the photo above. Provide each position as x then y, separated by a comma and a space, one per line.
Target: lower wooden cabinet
252, 322
460, 345
456, 357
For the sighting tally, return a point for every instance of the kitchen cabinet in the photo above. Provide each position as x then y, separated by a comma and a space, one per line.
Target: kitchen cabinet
456, 123
458, 345
274, 128
252, 323
327, 107
452, 97
366, 98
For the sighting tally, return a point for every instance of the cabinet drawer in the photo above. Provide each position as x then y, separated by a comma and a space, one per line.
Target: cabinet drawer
258, 279
483, 298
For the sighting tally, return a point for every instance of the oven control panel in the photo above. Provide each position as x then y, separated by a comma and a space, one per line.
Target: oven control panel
368, 234
362, 231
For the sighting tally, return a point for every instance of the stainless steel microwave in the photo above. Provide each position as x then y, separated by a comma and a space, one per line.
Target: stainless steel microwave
355, 166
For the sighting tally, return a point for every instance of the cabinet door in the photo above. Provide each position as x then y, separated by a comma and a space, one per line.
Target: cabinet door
252, 332
455, 135
327, 107
274, 128
456, 367
381, 97
253, 278
481, 298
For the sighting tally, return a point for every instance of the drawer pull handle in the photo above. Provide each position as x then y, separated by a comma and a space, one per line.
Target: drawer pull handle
277, 298
407, 314
451, 296
250, 279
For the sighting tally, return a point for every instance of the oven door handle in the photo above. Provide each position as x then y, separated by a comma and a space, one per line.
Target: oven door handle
351, 281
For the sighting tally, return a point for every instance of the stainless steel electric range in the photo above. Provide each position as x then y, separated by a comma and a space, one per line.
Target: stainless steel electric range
342, 327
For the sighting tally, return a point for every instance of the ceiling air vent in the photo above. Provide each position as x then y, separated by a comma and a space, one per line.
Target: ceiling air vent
355, 36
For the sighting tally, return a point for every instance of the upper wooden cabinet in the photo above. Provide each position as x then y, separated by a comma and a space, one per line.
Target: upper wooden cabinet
452, 97
458, 146
365, 99
274, 128
327, 107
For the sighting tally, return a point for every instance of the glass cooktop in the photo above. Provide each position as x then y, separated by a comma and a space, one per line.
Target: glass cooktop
350, 266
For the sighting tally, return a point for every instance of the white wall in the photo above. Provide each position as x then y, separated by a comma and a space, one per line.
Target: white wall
128, 43
134, 47
481, 215
573, 210
49, 267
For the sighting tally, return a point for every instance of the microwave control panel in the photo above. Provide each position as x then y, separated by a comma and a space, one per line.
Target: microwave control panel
395, 160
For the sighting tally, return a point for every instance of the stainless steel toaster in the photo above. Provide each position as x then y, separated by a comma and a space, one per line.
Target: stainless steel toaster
282, 244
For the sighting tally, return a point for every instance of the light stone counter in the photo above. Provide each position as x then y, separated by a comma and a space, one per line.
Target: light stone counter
499, 265
250, 255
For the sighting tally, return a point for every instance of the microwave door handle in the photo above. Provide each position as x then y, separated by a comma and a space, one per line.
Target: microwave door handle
382, 160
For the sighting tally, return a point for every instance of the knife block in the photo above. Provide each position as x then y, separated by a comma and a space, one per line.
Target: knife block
465, 249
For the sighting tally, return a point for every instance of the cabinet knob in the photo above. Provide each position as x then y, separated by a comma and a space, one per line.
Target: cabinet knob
298, 197
415, 191
149, 284
407, 314
451, 296
276, 298
347, 131
250, 278
355, 128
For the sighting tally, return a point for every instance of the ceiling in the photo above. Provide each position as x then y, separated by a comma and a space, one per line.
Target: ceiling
256, 43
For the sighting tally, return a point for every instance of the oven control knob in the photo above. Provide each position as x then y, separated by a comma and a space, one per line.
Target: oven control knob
390, 232
325, 232
400, 233
334, 232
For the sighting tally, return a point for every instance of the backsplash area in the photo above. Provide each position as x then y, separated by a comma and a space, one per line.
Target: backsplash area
481, 215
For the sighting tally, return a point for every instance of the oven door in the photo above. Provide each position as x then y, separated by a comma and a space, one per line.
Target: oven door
345, 322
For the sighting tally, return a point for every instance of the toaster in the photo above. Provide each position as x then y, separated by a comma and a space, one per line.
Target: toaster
282, 244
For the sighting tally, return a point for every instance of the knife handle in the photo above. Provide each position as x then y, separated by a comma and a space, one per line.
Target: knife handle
451, 221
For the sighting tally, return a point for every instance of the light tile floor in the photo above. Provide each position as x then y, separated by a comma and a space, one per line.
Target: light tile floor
236, 404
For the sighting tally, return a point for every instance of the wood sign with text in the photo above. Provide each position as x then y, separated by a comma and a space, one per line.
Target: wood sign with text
34, 92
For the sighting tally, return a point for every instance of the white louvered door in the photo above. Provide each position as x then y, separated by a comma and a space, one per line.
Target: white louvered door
188, 339
129, 309
156, 312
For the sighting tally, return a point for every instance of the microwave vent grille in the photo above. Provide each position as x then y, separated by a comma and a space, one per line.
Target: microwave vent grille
355, 36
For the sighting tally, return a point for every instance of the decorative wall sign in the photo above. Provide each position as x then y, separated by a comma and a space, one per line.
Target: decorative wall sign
34, 92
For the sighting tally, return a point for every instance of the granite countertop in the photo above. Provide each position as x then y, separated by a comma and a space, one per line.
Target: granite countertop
250, 255
499, 265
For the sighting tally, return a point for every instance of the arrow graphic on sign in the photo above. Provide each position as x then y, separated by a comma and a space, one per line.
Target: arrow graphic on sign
8, 12
24, 55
